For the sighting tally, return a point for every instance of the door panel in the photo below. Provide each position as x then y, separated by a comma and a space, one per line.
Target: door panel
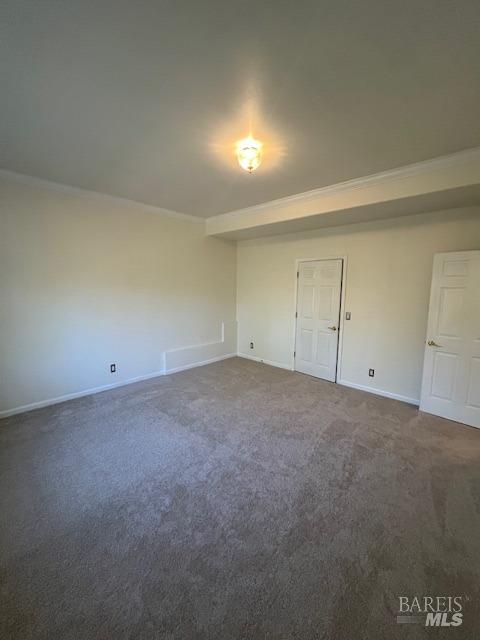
451, 311
326, 299
455, 268
323, 349
318, 310
451, 373
473, 395
308, 301
444, 374
306, 345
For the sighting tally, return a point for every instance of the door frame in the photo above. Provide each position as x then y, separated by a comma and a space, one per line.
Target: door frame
341, 320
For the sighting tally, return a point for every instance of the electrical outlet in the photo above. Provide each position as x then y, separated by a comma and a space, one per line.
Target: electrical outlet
371, 372
251, 345
113, 368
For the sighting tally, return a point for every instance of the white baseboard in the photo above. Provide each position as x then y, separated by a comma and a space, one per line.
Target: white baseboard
379, 392
78, 394
280, 365
345, 383
156, 374
205, 354
90, 392
200, 364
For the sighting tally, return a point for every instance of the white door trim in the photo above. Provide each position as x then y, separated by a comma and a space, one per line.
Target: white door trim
298, 262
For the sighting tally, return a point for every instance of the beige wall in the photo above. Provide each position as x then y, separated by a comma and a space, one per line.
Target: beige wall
387, 291
85, 282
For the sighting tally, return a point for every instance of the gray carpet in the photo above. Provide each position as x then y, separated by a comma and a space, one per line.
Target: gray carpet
235, 501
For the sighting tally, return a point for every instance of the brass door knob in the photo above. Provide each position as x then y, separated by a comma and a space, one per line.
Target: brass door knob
432, 343
333, 328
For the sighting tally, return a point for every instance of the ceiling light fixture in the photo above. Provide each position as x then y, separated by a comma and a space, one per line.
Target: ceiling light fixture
249, 153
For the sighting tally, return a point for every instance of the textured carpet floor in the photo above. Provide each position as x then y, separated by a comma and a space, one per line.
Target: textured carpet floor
234, 501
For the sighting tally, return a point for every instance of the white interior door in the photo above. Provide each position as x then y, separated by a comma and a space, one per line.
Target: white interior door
318, 313
451, 372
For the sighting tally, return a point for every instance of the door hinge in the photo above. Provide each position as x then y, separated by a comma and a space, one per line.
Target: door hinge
298, 273
294, 354
296, 314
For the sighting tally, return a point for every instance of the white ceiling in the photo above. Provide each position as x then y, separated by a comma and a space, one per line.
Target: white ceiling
144, 100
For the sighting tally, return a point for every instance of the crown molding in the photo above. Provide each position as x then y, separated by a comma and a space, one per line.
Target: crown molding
32, 181
377, 179
407, 171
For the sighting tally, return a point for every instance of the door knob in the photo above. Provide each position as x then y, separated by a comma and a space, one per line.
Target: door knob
432, 343
333, 328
